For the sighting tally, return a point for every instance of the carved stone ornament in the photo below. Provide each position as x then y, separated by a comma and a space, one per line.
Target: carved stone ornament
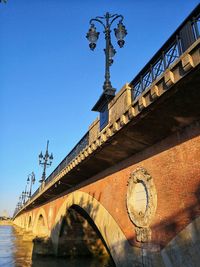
141, 202
143, 234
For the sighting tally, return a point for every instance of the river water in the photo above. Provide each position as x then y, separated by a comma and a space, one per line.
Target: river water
15, 252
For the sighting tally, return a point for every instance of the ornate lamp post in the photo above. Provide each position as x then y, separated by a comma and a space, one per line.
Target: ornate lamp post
31, 179
23, 197
45, 160
19, 204
17, 207
25, 192
120, 32
20, 200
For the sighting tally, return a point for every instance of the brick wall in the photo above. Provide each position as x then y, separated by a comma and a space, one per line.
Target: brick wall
174, 164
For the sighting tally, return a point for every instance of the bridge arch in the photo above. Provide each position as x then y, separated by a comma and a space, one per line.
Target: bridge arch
79, 236
23, 221
29, 224
40, 227
29, 221
119, 248
18, 221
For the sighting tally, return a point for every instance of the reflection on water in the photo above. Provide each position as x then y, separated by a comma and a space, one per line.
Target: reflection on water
15, 252
7, 246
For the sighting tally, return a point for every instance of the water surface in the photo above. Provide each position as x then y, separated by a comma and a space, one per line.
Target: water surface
15, 252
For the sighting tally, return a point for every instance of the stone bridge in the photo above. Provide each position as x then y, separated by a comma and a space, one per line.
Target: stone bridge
132, 189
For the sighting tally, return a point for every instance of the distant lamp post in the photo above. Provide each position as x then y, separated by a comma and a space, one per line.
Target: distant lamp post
31, 179
25, 192
23, 197
20, 200
120, 32
46, 161
19, 204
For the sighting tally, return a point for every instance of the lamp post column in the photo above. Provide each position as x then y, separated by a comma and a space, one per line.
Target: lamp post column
92, 35
107, 84
45, 160
31, 178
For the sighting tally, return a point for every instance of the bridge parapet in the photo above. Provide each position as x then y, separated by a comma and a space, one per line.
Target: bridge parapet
117, 107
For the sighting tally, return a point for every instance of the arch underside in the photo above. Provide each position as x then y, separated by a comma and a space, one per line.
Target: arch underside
114, 239
80, 237
40, 227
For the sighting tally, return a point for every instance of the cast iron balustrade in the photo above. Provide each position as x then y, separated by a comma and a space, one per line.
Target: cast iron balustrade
186, 34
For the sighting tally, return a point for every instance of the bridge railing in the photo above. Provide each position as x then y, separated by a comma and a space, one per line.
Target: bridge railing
72, 155
186, 34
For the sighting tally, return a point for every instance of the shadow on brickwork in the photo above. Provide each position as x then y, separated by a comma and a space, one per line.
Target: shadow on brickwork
176, 240
176, 138
174, 224
176, 237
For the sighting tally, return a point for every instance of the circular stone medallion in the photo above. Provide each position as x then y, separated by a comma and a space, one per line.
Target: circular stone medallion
141, 198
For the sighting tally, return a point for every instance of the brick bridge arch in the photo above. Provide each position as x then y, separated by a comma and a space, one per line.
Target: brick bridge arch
111, 233
30, 221
40, 225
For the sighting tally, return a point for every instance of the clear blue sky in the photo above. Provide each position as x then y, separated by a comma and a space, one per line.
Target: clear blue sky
50, 80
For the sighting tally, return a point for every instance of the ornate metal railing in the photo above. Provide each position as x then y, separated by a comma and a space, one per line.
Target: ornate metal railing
72, 155
186, 34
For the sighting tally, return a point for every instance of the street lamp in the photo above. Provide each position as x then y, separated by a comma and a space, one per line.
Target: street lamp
17, 207
26, 194
20, 201
120, 32
31, 179
23, 197
19, 204
45, 160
